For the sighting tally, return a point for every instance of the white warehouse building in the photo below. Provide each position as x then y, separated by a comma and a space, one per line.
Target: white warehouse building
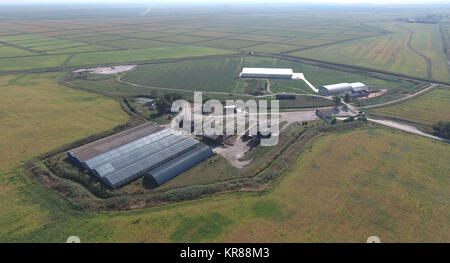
356, 89
267, 73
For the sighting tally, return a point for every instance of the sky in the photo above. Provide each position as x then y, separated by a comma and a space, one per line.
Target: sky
227, 1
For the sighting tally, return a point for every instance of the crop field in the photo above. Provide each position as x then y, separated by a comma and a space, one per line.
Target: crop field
222, 75
6, 51
135, 43
78, 49
143, 54
204, 75
271, 48
228, 43
412, 49
34, 62
427, 109
108, 40
427, 41
31, 106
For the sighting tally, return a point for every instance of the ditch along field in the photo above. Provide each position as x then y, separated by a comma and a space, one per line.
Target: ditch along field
427, 109
411, 49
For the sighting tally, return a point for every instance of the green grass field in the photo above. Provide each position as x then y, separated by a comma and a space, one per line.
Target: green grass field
314, 201
204, 75
6, 51
427, 109
427, 40
271, 48
228, 43
390, 52
222, 75
143, 54
35, 115
35, 62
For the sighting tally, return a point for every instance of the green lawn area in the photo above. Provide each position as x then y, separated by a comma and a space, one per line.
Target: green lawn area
202, 75
6, 51
35, 62
222, 74
143, 54
387, 52
427, 109
38, 115
87, 48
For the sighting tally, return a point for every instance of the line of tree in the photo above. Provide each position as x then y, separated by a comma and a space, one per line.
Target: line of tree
337, 100
442, 129
166, 100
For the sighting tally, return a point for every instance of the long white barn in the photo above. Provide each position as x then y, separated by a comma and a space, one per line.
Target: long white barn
267, 73
354, 89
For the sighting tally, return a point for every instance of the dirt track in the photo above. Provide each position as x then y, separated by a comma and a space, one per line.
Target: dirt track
408, 97
407, 128
427, 59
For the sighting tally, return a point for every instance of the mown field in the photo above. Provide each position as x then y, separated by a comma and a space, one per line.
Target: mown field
392, 52
427, 109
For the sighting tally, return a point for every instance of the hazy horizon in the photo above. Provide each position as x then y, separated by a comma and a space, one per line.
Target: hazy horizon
206, 2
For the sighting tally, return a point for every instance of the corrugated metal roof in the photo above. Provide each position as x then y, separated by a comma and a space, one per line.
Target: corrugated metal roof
98, 147
126, 149
357, 85
180, 164
124, 162
138, 154
268, 71
340, 87
139, 168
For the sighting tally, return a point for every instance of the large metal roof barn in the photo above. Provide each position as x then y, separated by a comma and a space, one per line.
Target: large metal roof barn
126, 156
341, 88
274, 73
180, 164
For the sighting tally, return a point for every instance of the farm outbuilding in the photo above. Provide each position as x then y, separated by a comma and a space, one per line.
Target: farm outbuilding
354, 89
126, 156
179, 165
286, 96
267, 73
